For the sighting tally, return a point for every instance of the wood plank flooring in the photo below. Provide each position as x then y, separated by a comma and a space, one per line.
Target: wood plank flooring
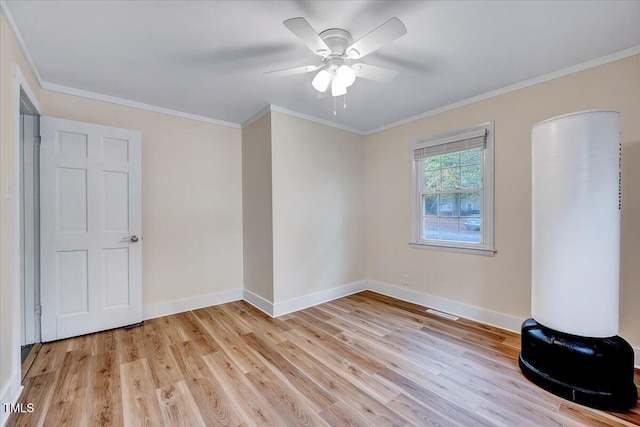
363, 360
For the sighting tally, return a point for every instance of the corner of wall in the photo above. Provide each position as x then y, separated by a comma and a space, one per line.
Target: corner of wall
310, 300
257, 206
258, 302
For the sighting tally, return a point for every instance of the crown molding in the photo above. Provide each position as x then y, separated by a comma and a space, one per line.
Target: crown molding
4, 8
98, 96
329, 123
274, 108
135, 104
621, 54
154, 108
257, 116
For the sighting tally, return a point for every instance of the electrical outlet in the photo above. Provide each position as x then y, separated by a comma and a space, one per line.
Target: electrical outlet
405, 279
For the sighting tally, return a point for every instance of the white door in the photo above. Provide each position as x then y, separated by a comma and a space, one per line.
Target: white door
90, 216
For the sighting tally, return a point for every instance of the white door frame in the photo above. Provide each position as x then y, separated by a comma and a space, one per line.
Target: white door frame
12, 192
29, 125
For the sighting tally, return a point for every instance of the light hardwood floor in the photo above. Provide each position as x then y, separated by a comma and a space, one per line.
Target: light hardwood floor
364, 360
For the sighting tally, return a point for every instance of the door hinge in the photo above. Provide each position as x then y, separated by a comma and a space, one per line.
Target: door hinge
37, 140
38, 310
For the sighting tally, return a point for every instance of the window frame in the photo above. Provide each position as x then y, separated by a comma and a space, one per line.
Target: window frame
487, 247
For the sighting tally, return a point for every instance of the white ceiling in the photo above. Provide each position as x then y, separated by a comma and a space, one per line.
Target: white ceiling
207, 57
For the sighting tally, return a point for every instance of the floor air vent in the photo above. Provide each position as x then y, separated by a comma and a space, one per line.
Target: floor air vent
442, 314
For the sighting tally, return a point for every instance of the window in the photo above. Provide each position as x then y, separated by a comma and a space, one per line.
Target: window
453, 191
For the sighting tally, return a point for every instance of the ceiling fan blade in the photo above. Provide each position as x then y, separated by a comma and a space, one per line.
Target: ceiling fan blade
291, 71
305, 32
373, 72
380, 36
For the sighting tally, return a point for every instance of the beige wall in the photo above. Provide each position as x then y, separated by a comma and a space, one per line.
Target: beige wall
191, 197
324, 207
502, 283
10, 54
257, 208
318, 207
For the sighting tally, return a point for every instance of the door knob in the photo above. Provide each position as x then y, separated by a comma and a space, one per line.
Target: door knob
133, 239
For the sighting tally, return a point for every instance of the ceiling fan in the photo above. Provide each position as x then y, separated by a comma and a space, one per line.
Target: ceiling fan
337, 48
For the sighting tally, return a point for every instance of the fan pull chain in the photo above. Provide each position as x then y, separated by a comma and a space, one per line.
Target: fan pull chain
344, 104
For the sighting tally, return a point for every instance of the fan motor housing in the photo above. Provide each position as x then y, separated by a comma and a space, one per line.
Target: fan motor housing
337, 39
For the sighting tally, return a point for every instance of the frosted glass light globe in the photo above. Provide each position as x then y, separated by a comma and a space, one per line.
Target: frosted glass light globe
321, 81
337, 89
345, 75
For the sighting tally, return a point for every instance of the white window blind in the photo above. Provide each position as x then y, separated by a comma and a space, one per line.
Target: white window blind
452, 144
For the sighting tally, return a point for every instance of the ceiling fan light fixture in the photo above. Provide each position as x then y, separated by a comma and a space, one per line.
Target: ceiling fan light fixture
337, 89
345, 76
336, 46
321, 81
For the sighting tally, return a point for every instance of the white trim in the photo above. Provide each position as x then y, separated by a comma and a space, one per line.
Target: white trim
504, 321
98, 96
621, 54
135, 104
453, 249
10, 394
257, 116
487, 246
309, 300
29, 236
152, 311
274, 108
20, 79
316, 120
19, 82
478, 314
452, 136
258, 302
23, 46
305, 301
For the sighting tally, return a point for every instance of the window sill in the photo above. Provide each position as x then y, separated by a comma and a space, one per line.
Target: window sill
454, 249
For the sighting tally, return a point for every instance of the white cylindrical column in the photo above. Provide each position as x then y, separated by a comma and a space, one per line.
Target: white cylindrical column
576, 223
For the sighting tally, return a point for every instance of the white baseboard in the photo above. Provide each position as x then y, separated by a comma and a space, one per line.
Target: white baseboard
258, 302
10, 394
510, 323
181, 305
504, 321
306, 301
